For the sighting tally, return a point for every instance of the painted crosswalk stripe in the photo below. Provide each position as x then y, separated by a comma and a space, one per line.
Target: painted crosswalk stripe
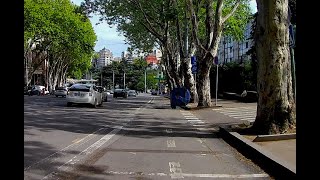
192, 118
246, 112
242, 113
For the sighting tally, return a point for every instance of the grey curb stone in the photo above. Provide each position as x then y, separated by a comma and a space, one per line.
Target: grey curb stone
277, 137
274, 166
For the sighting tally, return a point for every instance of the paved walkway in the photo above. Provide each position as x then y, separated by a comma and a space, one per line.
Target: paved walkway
233, 112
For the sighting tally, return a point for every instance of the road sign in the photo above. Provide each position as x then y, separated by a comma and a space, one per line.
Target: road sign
216, 60
194, 64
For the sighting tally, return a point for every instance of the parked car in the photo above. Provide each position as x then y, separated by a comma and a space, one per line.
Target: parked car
132, 93
104, 93
61, 91
120, 93
249, 96
154, 92
38, 89
84, 94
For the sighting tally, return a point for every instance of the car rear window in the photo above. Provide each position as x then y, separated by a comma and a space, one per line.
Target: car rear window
83, 88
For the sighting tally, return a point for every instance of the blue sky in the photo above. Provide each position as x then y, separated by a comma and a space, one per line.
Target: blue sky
111, 39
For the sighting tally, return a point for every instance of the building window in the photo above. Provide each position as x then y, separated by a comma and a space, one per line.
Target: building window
247, 44
230, 49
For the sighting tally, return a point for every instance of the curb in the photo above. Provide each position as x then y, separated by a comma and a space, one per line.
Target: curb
272, 165
276, 137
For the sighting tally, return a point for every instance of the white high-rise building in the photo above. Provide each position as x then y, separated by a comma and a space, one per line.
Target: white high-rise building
158, 54
105, 58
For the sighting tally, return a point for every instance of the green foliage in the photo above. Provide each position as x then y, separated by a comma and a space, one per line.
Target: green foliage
61, 29
236, 24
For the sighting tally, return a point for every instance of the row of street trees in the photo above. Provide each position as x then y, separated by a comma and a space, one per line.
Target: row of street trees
167, 23
59, 35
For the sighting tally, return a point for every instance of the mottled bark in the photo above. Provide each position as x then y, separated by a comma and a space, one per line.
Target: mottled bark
203, 86
276, 106
189, 81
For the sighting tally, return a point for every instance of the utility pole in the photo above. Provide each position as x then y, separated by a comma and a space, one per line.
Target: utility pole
113, 79
124, 80
101, 76
145, 80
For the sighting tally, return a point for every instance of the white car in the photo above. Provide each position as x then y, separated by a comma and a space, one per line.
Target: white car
61, 91
38, 90
84, 94
132, 93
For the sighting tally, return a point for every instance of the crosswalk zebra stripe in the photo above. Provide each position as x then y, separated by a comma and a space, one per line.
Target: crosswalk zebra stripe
242, 116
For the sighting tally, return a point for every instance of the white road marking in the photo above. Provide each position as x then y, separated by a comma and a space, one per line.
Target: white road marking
235, 176
242, 113
197, 125
87, 151
75, 144
187, 116
150, 100
168, 130
130, 173
225, 175
250, 118
192, 118
239, 112
175, 170
171, 143
235, 108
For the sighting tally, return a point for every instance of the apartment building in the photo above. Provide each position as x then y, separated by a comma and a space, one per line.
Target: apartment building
105, 58
232, 50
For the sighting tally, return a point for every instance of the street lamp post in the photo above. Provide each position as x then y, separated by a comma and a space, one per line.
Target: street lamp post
101, 78
124, 80
113, 79
145, 80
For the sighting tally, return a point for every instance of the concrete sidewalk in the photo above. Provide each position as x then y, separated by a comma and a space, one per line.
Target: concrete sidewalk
275, 156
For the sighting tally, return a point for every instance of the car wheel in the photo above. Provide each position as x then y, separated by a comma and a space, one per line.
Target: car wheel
56, 96
100, 105
69, 104
95, 103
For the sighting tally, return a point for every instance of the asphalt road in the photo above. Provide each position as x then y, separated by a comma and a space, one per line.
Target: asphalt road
134, 138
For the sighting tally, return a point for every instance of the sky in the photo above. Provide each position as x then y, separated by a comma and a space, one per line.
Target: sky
111, 39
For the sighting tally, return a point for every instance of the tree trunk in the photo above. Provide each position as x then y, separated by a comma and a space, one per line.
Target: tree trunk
203, 85
57, 73
189, 81
276, 106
